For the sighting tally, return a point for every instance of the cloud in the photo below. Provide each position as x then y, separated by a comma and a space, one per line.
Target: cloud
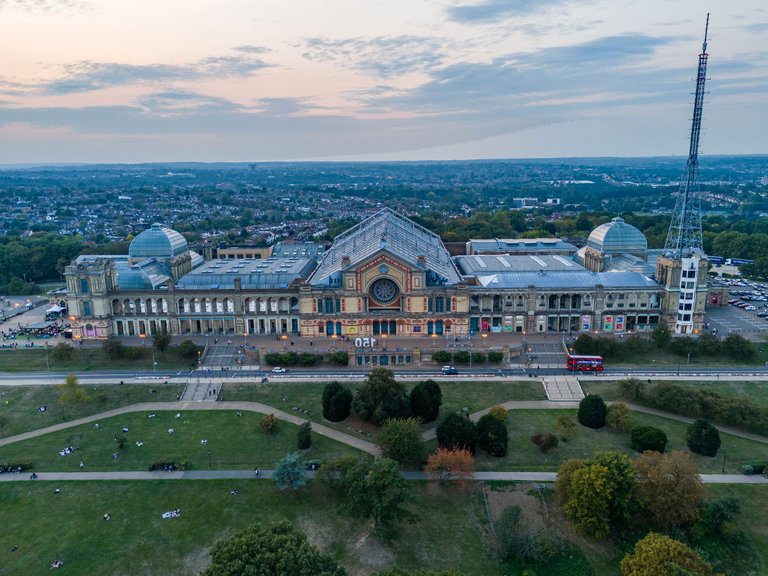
493, 10
185, 102
252, 49
44, 5
87, 76
383, 56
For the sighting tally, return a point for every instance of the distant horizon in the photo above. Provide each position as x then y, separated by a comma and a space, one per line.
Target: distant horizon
88, 82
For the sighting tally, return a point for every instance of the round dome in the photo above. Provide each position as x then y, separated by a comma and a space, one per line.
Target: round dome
159, 242
617, 236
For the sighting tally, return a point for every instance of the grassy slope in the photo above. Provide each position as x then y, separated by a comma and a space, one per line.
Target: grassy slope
84, 360
757, 392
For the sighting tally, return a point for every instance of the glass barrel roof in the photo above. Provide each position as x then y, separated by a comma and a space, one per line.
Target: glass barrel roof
159, 242
617, 236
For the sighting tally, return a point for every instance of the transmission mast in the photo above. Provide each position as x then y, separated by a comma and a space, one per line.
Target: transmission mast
684, 235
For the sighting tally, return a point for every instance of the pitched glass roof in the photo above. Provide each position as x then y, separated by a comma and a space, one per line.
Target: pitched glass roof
158, 241
401, 237
617, 236
576, 280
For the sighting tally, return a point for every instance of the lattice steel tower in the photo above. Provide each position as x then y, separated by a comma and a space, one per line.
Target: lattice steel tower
684, 237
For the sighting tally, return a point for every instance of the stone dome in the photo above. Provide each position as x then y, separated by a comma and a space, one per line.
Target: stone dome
616, 237
158, 242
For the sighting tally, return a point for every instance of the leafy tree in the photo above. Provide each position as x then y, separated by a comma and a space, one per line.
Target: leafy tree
397, 571
585, 344
308, 359
499, 412
632, 388
339, 358
566, 425
738, 347
133, 352
188, 349
289, 473
400, 440
268, 423
113, 348
545, 441
456, 464
598, 495
278, 550
670, 488
337, 401
646, 438
161, 339
457, 432
426, 398
592, 411
492, 435
658, 555
377, 491
619, 417
441, 356
273, 359
703, 438
304, 436
62, 352
381, 397
71, 392
661, 336
494, 356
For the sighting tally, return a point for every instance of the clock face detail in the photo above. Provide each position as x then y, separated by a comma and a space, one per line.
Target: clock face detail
384, 291
383, 269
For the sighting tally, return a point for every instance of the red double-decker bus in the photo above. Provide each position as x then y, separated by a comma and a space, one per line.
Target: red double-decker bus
579, 362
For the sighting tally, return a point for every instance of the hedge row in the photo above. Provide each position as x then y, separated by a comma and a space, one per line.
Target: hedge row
463, 356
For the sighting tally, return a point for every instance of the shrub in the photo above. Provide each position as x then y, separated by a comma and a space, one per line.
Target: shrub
304, 436
426, 398
273, 359
545, 441
269, 424
188, 349
478, 357
519, 541
566, 425
738, 347
113, 348
492, 435
337, 402
457, 432
400, 440
289, 359
703, 438
339, 358
63, 351
632, 388
619, 417
648, 438
441, 356
499, 412
308, 359
494, 356
592, 411
461, 357
133, 353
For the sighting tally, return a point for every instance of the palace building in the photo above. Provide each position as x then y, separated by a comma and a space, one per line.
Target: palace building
385, 276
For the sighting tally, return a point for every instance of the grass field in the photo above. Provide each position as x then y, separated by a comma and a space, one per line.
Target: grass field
661, 358
137, 541
233, 442
756, 392
523, 455
84, 360
20, 404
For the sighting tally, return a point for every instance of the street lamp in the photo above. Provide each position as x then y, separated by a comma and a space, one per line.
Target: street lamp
334, 337
154, 364
485, 339
434, 340
142, 337
384, 341
284, 338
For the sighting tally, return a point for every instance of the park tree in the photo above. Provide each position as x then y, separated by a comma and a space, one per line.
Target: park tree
268, 423
400, 440
492, 435
304, 436
598, 495
669, 489
619, 417
289, 473
592, 411
277, 550
499, 412
381, 397
397, 571
545, 441
457, 432
188, 349
648, 438
337, 401
161, 339
703, 438
632, 388
661, 336
738, 347
426, 398
377, 491
566, 425
62, 352
521, 541
71, 393
658, 555
454, 464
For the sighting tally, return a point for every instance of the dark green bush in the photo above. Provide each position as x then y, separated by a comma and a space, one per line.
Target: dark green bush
457, 432
339, 358
703, 438
648, 438
494, 356
337, 402
461, 357
492, 435
592, 411
441, 356
426, 398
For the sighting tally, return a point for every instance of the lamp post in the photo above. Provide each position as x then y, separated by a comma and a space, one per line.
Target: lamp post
485, 339
434, 340
284, 338
384, 341
142, 337
154, 364
334, 337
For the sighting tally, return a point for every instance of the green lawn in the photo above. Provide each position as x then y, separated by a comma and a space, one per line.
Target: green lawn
20, 404
84, 360
233, 442
756, 392
451, 532
308, 396
668, 359
523, 455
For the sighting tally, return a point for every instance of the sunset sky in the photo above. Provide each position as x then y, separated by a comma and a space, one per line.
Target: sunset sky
91, 81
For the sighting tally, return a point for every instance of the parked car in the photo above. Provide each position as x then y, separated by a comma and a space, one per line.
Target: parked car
449, 370
278, 370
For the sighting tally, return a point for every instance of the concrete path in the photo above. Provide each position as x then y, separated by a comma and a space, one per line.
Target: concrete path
318, 428
267, 474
